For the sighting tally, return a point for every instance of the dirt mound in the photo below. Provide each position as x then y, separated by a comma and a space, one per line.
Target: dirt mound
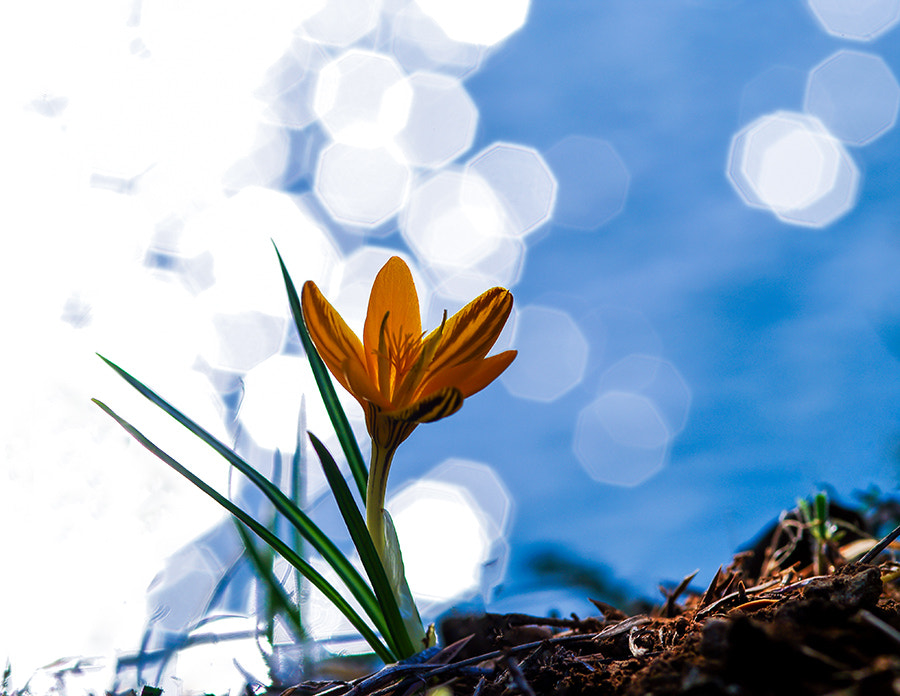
817, 626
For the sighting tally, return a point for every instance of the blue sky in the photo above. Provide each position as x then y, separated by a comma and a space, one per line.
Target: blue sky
784, 334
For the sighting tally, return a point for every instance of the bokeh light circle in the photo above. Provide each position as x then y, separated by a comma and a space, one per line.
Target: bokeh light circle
361, 186
441, 123
475, 22
855, 95
790, 164
552, 355
861, 20
362, 98
621, 438
522, 180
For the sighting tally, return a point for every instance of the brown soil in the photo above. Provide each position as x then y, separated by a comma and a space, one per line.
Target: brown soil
828, 634
761, 627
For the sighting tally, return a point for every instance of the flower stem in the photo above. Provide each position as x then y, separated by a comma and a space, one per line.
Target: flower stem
375, 492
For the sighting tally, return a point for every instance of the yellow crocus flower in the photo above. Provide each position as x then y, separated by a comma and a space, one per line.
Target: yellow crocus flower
401, 376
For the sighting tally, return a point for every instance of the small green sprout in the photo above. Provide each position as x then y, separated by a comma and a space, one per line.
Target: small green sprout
824, 532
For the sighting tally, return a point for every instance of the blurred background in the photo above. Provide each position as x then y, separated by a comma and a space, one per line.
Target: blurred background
693, 201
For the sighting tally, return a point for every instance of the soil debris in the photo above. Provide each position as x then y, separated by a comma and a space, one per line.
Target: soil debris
794, 616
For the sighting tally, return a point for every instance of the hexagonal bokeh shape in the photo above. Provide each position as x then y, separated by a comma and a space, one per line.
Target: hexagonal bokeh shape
502, 266
275, 391
342, 22
862, 20
592, 181
484, 485
855, 95
245, 339
454, 221
441, 123
621, 438
656, 379
362, 98
522, 180
420, 44
237, 234
361, 186
184, 587
552, 354
790, 164
452, 567
468, 22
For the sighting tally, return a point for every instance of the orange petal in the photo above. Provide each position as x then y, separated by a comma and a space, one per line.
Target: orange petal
334, 341
472, 331
362, 386
393, 294
471, 377
440, 404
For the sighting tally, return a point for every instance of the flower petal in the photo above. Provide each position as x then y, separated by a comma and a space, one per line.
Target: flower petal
335, 342
472, 331
470, 377
360, 384
440, 404
393, 294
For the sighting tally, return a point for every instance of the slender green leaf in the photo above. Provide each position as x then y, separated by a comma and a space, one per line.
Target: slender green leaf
260, 530
326, 389
263, 562
297, 492
279, 601
396, 572
307, 528
356, 525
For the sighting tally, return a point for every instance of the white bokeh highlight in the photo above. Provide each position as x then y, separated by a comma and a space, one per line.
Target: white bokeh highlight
361, 186
456, 226
623, 436
270, 411
859, 20
420, 44
441, 123
656, 379
339, 22
444, 541
362, 98
855, 95
553, 354
521, 179
502, 266
452, 525
471, 21
790, 164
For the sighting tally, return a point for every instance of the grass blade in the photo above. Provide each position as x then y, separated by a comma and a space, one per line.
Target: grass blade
279, 601
326, 389
298, 490
356, 525
260, 530
307, 528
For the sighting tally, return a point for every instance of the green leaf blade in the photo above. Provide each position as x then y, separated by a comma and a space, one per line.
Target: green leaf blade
304, 525
371, 561
310, 573
326, 388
